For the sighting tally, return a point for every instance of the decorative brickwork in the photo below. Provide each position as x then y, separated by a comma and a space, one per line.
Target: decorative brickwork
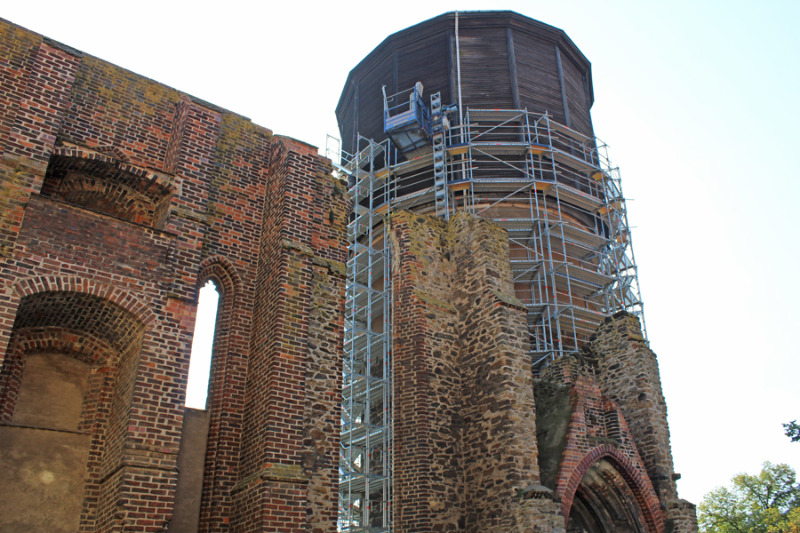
119, 197
628, 373
599, 477
585, 446
601, 456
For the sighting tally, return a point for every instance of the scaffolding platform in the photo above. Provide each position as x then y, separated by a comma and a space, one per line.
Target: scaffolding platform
576, 197
407, 120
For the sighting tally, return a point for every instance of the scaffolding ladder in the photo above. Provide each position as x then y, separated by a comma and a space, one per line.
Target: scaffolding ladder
440, 191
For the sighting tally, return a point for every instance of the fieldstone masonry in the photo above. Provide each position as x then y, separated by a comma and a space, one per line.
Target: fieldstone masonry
465, 453
469, 454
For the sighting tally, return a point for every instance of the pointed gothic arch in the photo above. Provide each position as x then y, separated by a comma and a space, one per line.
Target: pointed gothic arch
226, 373
607, 480
228, 283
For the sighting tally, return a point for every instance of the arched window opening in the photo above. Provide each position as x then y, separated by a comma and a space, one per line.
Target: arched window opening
202, 345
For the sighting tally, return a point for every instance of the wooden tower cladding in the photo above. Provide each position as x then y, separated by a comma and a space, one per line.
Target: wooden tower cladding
508, 61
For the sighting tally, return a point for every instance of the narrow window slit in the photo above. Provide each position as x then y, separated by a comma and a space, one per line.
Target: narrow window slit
202, 345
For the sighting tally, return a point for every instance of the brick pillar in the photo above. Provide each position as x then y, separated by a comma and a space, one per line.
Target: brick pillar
146, 416
192, 153
35, 83
428, 422
289, 454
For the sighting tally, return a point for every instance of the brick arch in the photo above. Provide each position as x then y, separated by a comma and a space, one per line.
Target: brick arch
103, 181
81, 345
642, 489
78, 344
221, 270
228, 368
105, 153
116, 295
116, 199
228, 284
98, 324
93, 322
109, 155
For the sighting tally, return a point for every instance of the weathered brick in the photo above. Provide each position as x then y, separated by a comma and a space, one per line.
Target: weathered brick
121, 197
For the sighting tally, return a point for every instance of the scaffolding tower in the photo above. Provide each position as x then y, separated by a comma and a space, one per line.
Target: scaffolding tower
559, 198
365, 462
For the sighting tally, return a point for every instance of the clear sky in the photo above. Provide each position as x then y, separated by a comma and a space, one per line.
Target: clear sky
698, 100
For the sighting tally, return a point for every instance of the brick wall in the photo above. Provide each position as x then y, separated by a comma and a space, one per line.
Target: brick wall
119, 198
289, 457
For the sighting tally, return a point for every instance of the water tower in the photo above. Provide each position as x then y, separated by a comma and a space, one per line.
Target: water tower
488, 113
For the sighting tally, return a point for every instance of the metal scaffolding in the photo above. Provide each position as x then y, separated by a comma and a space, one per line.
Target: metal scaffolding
560, 199
365, 453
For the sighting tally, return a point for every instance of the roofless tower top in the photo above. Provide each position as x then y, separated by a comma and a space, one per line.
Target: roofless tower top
508, 61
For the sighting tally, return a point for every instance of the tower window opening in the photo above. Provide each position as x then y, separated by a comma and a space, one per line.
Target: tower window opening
202, 346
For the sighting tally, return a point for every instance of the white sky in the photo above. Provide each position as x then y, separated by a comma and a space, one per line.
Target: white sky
698, 101
202, 344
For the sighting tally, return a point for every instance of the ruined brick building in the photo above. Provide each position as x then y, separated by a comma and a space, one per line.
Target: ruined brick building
441, 335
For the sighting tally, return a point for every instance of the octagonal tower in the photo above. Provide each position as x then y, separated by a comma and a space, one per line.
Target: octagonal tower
464, 117
508, 61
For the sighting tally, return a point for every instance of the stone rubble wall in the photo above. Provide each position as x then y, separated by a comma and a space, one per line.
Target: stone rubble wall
465, 453
428, 490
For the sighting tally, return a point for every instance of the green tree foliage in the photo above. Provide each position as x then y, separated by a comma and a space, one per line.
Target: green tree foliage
766, 503
792, 430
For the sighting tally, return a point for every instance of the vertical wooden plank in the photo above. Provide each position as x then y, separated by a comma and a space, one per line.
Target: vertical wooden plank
512, 69
563, 87
354, 143
451, 65
394, 88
